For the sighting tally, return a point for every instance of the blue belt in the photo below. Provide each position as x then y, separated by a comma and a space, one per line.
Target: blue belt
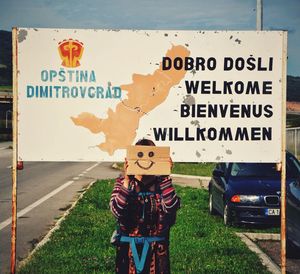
146, 241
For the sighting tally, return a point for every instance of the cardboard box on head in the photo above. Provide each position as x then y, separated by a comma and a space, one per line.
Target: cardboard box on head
148, 160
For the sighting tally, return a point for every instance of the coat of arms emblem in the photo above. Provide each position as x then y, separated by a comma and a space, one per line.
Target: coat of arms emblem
70, 52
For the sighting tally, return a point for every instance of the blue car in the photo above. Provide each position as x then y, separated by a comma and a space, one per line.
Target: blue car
249, 192
293, 219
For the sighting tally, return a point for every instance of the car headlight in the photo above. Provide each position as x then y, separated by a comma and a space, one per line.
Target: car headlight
247, 199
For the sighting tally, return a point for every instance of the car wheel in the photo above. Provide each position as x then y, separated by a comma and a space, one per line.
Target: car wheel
212, 211
227, 215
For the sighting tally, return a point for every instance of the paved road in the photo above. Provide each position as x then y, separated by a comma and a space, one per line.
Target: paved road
272, 248
45, 191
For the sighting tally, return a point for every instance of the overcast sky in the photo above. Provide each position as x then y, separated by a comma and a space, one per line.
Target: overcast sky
158, 14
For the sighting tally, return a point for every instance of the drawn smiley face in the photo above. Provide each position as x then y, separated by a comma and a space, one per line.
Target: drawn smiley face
140, 156
148, 160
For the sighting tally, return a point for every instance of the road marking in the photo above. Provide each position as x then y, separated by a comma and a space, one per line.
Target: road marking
40, 201
35, 204
9, 167
90, 168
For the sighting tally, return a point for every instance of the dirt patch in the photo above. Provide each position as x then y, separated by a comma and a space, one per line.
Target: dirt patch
293, 106
272, 249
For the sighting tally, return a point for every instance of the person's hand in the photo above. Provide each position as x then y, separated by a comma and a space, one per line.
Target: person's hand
171, 163
126, 177
171, 166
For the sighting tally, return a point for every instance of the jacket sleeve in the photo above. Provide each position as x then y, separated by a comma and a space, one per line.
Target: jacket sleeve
119, 199
170, 200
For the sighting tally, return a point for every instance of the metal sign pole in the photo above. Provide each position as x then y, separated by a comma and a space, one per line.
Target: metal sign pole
15, 155
283, 158
259, 14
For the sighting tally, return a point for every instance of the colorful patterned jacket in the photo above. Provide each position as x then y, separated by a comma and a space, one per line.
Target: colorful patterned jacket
145, 213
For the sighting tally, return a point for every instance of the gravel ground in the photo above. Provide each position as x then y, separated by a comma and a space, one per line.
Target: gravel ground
272, 249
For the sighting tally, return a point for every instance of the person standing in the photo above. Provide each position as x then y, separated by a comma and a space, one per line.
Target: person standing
145, 209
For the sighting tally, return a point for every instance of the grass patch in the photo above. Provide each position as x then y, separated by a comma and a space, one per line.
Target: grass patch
200, 243
198, 169
292, 120
5, 88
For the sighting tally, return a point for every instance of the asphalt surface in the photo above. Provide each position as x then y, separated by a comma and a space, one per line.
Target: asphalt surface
272, 248
45, 191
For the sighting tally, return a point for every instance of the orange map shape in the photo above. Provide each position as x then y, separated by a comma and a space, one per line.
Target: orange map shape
144, 94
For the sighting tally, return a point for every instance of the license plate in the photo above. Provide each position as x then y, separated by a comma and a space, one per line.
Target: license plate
272, 211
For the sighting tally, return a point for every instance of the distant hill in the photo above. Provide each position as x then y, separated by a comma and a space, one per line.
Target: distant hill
5, 58
293, 83
293, 88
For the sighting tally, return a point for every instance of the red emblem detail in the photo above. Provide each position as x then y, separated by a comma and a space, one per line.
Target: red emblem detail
70, 52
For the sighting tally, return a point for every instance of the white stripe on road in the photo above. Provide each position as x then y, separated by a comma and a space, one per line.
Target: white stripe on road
90, 168
35, 204
40, 201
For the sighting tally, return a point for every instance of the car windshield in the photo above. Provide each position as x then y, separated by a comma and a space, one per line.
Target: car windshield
265, 170
254, 170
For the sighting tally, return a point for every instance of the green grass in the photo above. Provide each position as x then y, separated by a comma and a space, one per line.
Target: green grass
199, 169
292, 120
200, 243
5, 88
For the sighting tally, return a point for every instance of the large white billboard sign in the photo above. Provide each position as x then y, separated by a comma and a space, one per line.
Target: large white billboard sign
86, 95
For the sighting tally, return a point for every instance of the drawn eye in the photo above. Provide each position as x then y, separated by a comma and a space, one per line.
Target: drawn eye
151, 154
140, 154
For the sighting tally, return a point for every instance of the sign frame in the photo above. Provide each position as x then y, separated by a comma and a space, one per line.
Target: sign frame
15, 152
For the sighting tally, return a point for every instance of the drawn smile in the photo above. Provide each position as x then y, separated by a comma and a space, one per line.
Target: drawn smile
142, 167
